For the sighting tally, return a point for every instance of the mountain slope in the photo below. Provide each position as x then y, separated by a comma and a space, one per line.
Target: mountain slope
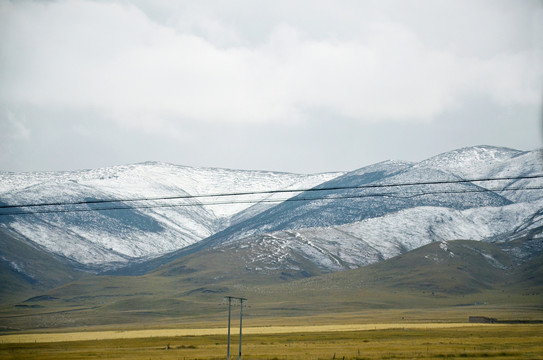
452, 267
26, 270
345, 206
481, 162
375, 239
452, 273
99, 238
389, 220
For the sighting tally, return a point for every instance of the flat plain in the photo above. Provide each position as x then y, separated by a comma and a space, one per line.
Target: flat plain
370, 341
377, 334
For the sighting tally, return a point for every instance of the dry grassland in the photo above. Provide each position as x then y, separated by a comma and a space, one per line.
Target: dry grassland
135, 334
380, 341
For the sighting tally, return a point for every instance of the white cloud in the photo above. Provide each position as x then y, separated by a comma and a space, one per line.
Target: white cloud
148, 73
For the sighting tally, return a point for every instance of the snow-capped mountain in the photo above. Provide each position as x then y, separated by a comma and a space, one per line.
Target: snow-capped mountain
365, 220
142, 229
361, 243
372, 214
394, 186
483, 162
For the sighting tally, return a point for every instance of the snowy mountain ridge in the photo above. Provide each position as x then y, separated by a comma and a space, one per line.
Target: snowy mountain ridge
472, 162
351, 205
334, 230
110, 238
358, 244
363, 226
155, 180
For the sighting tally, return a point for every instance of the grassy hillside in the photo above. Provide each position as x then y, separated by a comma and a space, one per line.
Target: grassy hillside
466, 275
26, 271
451, 268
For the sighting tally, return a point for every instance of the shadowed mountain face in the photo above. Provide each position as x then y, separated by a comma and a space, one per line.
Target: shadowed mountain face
26, 269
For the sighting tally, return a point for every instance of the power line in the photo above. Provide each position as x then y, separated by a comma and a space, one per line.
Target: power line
292, 199
271, 192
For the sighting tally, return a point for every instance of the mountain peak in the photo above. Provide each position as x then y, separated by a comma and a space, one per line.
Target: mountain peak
472, 161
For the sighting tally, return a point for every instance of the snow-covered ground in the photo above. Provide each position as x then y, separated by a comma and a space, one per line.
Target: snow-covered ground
341, 229
113, 237
357, 244
154, 180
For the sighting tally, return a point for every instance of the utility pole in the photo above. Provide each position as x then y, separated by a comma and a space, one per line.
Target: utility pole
229, 304
241, 300
240, 322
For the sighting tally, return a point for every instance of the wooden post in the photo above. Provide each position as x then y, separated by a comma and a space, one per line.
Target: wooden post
228, 349
240, 327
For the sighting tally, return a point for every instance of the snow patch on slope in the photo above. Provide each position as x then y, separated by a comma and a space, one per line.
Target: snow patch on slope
371, 240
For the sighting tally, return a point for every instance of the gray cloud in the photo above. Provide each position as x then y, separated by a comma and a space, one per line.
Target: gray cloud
215, 79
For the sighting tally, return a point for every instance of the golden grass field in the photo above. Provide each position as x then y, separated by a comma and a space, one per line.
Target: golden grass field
347, 341
265, 330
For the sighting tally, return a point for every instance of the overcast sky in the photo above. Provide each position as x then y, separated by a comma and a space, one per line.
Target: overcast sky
299, 86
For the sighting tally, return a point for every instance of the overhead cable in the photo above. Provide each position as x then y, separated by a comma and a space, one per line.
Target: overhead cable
269, 192
292, 199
